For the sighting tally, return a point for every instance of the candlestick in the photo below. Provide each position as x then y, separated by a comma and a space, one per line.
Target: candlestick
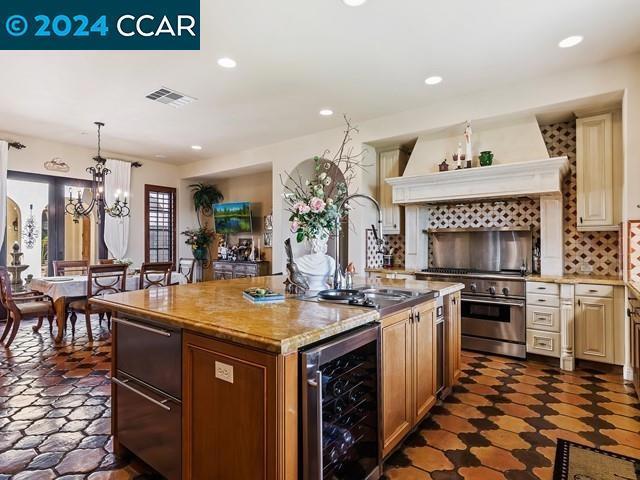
459, 155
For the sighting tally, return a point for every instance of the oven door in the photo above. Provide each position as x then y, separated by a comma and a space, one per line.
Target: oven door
495, 319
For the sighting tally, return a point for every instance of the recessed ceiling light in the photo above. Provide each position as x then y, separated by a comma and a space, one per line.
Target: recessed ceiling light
433, 80
226, 62
196, 147
325, 112
571, 41
354, 3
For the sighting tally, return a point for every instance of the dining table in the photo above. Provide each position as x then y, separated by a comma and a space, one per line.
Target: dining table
65, 289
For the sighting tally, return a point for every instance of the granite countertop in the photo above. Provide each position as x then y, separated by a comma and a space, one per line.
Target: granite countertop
217, 308
406, 271
574, 279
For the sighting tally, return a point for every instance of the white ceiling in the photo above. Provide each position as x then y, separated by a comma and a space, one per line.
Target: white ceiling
296, 57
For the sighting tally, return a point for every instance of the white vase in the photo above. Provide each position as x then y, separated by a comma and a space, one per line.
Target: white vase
317, 266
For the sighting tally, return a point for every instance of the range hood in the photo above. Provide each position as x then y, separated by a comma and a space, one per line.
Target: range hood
533, 178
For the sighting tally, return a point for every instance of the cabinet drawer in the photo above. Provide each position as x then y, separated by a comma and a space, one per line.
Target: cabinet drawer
584, 290
543, 343
534, 299
150, 353
542, 287
543, 318
149, 425
223, 267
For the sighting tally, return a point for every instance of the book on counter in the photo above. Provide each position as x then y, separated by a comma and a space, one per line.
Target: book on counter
262, 295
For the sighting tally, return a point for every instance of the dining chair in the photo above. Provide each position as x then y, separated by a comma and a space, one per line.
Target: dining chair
186, 266
70, 267
155, 275
101, 280
21, 306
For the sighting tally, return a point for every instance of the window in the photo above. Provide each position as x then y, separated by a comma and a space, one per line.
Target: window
160, 224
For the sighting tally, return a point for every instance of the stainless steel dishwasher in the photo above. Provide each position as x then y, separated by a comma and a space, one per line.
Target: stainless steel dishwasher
339, 407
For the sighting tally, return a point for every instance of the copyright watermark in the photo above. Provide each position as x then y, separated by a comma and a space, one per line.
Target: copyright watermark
16, 25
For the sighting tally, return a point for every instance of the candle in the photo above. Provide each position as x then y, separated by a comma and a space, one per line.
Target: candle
459, 155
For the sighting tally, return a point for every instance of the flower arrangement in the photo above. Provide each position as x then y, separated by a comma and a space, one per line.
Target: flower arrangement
199, 239
315, 203
123, 261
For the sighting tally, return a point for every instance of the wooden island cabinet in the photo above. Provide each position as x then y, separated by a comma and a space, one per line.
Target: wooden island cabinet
206, 384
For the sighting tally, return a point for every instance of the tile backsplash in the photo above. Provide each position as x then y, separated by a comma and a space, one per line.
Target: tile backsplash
374, 259
634, 250
599, 251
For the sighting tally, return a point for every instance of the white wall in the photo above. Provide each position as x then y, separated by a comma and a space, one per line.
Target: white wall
38, 151
617, 75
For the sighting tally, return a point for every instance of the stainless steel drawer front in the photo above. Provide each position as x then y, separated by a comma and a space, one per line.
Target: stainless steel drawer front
150, 425
150, 353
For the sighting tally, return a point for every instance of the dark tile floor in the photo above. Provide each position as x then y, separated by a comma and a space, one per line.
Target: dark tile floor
501, 422
504, 417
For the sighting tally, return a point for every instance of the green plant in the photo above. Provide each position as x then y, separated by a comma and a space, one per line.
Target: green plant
204, 196
199, 237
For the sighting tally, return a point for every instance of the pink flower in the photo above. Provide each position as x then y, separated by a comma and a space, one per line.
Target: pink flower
301, 207
317, 205
294, 226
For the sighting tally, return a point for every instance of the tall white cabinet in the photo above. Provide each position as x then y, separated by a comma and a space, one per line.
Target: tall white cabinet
596, 189
391, 163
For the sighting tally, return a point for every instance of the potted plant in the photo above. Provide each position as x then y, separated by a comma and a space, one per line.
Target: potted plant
204, 196
199, 239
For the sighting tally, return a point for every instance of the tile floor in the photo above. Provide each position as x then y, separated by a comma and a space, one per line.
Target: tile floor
501, 421
504, 417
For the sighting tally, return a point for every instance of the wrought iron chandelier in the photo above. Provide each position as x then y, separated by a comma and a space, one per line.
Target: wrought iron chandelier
29, 232
78, 208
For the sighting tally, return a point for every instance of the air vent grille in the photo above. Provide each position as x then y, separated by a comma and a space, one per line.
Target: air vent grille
170, 97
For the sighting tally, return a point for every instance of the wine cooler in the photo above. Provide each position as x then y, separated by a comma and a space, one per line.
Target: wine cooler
339, 406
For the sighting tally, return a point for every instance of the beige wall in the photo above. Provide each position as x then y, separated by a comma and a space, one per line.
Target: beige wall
257, 189
617, 75
38, 151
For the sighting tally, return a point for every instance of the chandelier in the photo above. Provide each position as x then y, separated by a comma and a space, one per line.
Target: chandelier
30, 232
77, 206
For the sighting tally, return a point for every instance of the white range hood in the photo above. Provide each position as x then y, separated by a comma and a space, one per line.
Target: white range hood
533, 178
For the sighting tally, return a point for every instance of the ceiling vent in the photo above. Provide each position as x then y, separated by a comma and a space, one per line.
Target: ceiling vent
170, 97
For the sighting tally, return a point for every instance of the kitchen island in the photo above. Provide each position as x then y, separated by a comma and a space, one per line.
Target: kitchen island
206, 383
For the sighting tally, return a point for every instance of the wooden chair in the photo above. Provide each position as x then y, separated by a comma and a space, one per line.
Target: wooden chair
70, 267
107, 261
21, 306
101, 280
155, 275
186, 266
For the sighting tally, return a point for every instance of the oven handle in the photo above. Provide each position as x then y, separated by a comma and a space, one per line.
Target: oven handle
494, 302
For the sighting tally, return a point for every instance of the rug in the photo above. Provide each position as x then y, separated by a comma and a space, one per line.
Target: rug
579, 462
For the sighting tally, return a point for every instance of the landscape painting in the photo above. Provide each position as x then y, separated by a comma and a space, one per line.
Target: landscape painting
232, 217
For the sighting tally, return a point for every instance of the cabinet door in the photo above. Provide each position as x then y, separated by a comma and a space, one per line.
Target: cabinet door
595, 172
227, 390
424, 360
397, 417
391, 164
594, 329
453, 339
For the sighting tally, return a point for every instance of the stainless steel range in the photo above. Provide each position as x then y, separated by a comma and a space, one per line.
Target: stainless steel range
492, 264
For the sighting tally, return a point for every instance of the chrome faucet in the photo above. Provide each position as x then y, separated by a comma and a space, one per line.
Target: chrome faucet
339, 280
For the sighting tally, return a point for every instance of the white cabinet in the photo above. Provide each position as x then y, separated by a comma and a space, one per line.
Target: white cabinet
595, 173
594, 327
391, 164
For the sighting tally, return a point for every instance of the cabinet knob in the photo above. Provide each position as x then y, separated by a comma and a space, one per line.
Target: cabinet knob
395, 226
580, 219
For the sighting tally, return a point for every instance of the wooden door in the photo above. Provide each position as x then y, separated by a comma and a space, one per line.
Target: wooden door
594, 170
424, 359
594, 329
397, 414
230, 411
453, 339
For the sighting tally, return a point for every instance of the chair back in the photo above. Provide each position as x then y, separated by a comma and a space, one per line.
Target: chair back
155, 275
6, 294
186, 266
107, 261
106, 279
70, 267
